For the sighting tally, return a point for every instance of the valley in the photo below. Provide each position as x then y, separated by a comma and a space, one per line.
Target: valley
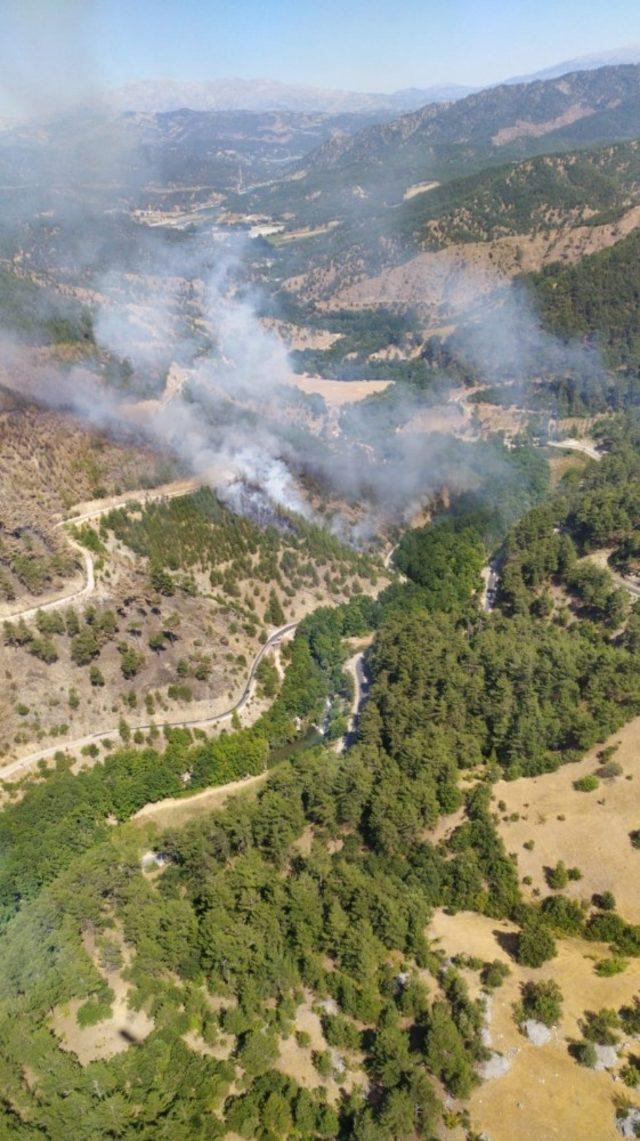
320, 612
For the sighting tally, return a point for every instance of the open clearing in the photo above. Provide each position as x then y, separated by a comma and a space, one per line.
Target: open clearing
338, 392
594, 834
296, 1060
176, 811
111, 1035
545, 1094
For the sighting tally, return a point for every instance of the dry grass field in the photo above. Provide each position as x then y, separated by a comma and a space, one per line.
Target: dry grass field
111, 1035
588, 830
338, 392
546, 1094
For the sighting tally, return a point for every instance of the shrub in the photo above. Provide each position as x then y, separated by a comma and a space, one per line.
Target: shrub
130, 660
162, 581
630, 1017
608, 967
563, 914
557, 877
611, 770
84, 646
630, 1074
606, 901
493, 974
322, 1063
541, 1001
585, 1053
586, 784
601, 1026
95, 1009
536, 945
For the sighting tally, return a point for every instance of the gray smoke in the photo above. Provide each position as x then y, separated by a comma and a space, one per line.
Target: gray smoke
204, 377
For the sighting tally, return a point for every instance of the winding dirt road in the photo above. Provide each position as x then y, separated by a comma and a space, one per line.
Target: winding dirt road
32, 759
355, 667
93, 510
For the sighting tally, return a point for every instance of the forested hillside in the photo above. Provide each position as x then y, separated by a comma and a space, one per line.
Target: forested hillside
597, 300
278, 953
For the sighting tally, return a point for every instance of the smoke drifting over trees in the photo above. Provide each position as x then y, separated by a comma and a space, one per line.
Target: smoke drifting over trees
193, 367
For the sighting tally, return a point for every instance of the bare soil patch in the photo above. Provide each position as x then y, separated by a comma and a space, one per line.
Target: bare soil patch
338, 392
123, 1028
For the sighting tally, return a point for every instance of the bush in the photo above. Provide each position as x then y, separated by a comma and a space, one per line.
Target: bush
611, 770
563, 914
601, 1026
557, 877
585, 1053
130, 660
606, 901
96, 1009
493, 974
536, 945
322, 1063
586, 784
542, 1002
84, 646
608, 967
630, 1074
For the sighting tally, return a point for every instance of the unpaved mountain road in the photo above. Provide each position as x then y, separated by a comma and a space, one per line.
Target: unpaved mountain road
355, 668
90, 511
31, 759
573, 445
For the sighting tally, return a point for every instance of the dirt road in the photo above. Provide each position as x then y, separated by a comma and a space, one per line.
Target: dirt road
573, 445
32, 759
88, 511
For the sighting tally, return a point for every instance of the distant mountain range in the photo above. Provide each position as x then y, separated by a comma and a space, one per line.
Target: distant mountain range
629, 54
164, 95
230, 94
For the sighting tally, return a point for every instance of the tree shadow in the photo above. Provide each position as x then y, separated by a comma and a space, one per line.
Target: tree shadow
508, 940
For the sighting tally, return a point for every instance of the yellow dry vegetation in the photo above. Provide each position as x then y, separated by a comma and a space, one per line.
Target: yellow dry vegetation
297, 1061
338, 392
174, 811
546, 1094
588, 830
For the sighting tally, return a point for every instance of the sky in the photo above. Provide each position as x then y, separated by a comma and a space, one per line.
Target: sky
367, 45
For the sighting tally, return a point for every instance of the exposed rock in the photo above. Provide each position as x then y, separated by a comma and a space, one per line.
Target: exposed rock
495, 1067
628, 1125
537, 1033
607, 1057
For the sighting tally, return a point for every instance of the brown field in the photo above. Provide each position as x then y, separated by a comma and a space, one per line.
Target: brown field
560, 464
545, 1094
594, 834
338, 392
